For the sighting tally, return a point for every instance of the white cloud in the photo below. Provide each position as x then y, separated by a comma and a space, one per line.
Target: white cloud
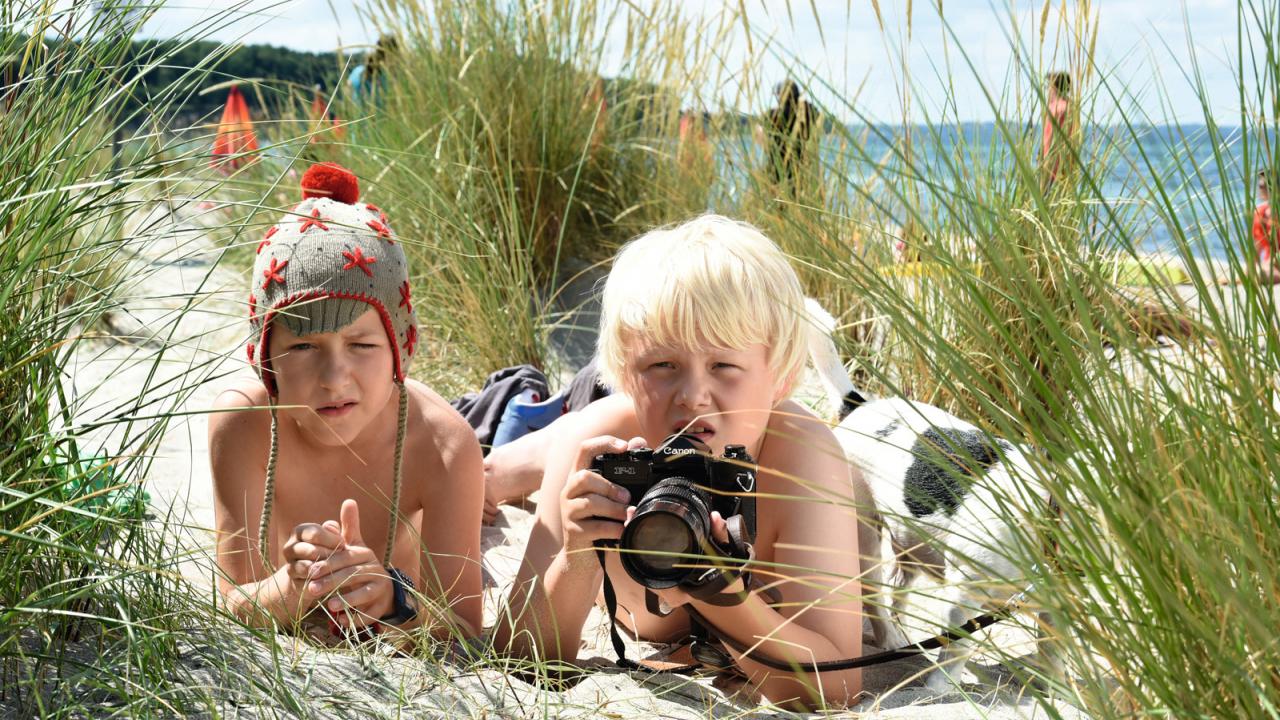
311, 25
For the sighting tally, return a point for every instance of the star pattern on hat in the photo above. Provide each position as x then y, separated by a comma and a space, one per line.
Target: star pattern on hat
253, 307
266, 239
274, 273
383, 231
410, 339
250, 350
308, 222
405, 301
382, 217
358, 259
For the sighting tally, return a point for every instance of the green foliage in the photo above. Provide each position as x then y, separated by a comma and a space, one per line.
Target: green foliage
501, 154
79, 566
274, 71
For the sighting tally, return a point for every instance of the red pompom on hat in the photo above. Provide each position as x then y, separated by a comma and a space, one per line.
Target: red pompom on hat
330, 180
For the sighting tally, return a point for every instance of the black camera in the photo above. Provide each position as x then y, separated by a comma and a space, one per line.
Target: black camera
675, 488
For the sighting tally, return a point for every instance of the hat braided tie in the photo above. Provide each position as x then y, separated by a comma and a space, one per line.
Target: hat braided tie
269, 492
401, 423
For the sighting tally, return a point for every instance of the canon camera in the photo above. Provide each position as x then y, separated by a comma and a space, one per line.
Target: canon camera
675, 488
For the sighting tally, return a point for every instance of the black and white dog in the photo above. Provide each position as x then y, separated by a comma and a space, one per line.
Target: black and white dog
949, 503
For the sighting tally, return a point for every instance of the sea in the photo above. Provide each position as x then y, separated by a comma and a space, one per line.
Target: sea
1157, 188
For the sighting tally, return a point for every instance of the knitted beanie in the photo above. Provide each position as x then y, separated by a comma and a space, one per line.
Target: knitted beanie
317, 270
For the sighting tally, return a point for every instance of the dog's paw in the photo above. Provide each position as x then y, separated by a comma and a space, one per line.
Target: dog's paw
939, 683
892, 637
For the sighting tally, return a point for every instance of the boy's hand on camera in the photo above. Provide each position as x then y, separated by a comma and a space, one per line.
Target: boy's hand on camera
352, 582
592, 508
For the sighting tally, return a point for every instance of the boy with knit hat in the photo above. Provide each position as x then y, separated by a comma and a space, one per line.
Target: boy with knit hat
343, 491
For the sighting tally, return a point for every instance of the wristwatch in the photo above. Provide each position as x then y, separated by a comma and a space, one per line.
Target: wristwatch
404, 607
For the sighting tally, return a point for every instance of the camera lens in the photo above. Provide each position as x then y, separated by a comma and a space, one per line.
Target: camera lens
671, 524
665, 535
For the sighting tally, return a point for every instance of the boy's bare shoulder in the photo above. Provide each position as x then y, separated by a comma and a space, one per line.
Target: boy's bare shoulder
240, 415
800, 442
239, 438
437, 429
801, 424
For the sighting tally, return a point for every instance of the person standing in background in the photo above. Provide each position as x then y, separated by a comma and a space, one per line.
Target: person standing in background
596, 104
1264, 234
1057, 126
693, 150
365, 78
789, 126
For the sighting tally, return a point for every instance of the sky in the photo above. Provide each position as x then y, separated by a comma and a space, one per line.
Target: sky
854, 61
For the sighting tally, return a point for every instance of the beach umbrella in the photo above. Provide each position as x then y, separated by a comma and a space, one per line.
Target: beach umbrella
320, 114
235, 138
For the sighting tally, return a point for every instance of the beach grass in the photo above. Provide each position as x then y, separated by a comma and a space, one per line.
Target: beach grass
91, 603
508, 163
1161, 572
65, 505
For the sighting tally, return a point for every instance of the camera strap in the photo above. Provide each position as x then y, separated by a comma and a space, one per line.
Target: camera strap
619, 646
740, 552
611, 607
712, 591
942, 640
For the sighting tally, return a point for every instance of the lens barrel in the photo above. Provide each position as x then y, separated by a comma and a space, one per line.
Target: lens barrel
671, 525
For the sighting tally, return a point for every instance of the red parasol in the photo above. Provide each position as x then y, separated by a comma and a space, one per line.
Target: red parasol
235, 138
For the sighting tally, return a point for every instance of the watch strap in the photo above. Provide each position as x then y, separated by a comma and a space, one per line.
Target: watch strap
403, 607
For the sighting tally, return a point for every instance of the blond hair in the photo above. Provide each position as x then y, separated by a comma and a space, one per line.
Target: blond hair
711, 282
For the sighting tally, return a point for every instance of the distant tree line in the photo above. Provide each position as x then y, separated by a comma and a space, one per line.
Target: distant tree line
274, 70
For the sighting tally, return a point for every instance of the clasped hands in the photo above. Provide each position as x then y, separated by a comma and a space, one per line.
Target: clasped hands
329, 565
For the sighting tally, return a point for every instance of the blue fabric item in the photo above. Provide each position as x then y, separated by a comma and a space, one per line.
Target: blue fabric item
523, 415
484, 410
356, 80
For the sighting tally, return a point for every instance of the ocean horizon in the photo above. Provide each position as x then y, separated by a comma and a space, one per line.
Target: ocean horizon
1190, 160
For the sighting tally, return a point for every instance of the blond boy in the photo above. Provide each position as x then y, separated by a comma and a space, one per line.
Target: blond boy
702, 330
343, 491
